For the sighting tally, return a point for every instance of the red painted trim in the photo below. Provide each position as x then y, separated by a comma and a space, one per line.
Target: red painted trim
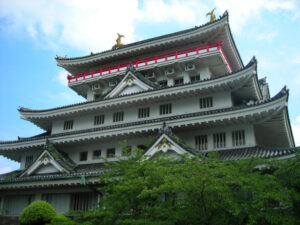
146, 61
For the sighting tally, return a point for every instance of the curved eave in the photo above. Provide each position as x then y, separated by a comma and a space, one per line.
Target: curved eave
164, 42
218, 117
234, 81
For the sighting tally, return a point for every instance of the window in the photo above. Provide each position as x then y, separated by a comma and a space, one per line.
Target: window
163, 83
238, 138
201, 142
83, 156
96, 154
118, 116
127, 151
178, 81
165, 109
206, 102
68, 125
99, 119
144, 112
83, 201
28, 161
111, 152
195, 78
219, 140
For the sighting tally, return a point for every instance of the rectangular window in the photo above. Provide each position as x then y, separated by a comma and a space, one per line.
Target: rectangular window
165, 109
99, 120
163, 83
201, 142
68, 125
126, 151
110, 153
195, 78
118, 116
238, 138
28, 161
178, 81
206, 102
83, 156
144, 112
83, 201
219, 140
96, 154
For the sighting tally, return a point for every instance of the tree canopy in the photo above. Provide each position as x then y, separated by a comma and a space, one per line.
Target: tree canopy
184, 190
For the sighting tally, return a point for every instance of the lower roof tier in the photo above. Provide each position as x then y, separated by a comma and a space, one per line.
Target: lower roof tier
89, 174
269, 113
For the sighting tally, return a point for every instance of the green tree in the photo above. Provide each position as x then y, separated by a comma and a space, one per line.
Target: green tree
184, 190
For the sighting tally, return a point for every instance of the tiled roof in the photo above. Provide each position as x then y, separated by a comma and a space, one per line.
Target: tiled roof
96, 169
256, 151
282, 93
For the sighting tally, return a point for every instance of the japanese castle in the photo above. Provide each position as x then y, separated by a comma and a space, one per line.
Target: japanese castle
186, 92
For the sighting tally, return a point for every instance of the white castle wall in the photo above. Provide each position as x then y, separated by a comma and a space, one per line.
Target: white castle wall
179, 106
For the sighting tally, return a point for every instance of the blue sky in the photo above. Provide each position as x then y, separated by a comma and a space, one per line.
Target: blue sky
33, 32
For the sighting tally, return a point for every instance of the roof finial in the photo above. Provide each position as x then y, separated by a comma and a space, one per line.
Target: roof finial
212, 15
165, 130
119, 44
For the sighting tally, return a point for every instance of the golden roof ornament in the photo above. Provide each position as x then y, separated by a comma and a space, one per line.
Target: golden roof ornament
212, 15
119, 44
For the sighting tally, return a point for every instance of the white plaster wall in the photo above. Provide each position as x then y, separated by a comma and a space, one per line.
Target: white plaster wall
49, 168
179, 106
187, 136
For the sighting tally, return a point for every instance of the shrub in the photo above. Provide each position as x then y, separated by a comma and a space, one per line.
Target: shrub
61, 220
37, 213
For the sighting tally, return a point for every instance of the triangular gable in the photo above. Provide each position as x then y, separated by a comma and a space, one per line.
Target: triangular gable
128, 85
45, 163
165, 144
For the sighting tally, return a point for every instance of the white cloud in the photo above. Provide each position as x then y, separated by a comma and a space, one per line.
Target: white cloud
296, 130
91, 25
267, 36
5, 170
62, 77
243, 11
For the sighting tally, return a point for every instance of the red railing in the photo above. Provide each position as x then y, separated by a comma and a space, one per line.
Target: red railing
150, 61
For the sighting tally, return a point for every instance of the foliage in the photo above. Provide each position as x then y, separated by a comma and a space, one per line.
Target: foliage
37, 213
198, 190
61, 220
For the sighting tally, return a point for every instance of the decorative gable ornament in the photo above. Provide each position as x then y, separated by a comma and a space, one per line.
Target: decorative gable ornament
166, 144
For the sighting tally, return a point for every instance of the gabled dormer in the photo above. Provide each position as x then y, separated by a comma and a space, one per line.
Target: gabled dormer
132, 82
50, 161
169, 144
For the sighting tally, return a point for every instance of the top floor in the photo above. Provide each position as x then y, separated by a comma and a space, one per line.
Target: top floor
167, 69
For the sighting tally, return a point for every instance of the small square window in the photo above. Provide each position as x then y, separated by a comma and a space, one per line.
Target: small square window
195, 78
68, 125
165, 109
118, 116
96, 154
163, 83
110, 153
178, 81
143, 112
99, 120
83, 156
